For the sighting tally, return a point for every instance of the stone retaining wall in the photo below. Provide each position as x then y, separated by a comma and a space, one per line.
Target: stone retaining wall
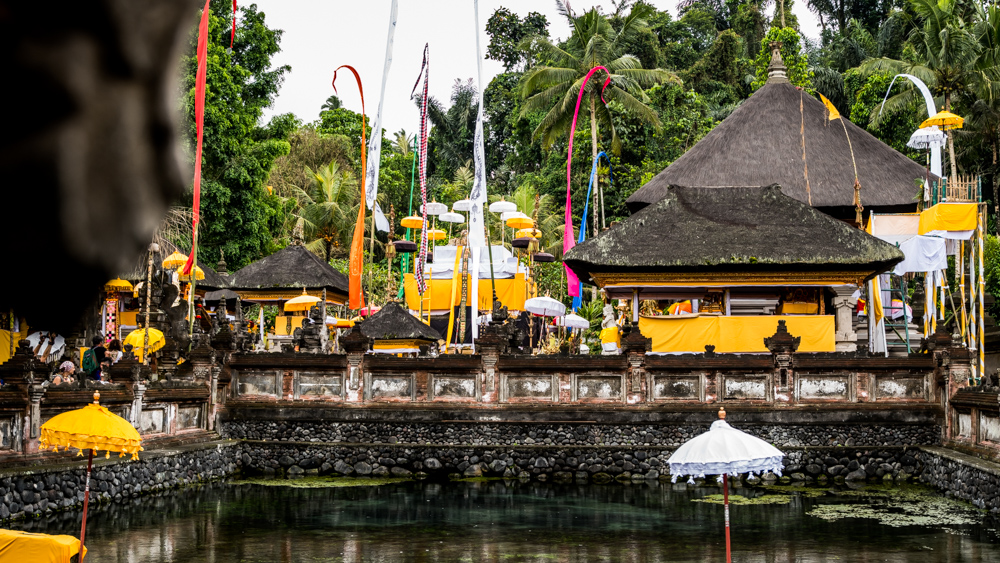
579, 434
29, 493
962, 476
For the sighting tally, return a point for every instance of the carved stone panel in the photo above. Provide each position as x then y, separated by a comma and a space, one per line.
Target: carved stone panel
530, 387
153, 420
745, 387
963, 424
989, 427
189, 417
453, 387
823, 387
259, 383
318, 385
389, 387
597, 388
676, 387
900, 387
8, 433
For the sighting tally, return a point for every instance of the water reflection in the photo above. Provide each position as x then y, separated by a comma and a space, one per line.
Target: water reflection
495, 521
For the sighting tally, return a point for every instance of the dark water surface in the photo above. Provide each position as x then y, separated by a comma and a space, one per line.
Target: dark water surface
497, 521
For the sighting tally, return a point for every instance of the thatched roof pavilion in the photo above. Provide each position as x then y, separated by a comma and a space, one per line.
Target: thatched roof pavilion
744, 259
395, 330
761, 144
284, 274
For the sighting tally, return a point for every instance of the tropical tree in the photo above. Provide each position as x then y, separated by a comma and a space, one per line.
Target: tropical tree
333, 102
403, 143
946, 53
326, 210
593, 42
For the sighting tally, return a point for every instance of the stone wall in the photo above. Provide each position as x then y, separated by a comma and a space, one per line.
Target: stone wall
29, 493
962, 476
568, 434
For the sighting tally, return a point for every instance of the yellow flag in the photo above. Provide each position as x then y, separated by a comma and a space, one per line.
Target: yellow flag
834, 114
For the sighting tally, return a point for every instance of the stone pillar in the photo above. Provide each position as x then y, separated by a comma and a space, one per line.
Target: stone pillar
782, 345
844, 304
634, 345
355, 344
138, 390
35, 394
490, 345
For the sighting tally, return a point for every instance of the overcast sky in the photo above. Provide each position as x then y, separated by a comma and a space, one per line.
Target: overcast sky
321, 35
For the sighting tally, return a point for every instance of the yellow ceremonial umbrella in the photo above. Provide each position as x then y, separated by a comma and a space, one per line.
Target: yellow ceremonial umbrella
174, 260
533, 233
198, 273
945, 120
412, 222
136, 337
520, 223
436, 234
91, 428
303, 302
117, 285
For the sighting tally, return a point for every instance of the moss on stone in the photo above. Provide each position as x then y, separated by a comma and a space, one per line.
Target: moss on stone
324, 482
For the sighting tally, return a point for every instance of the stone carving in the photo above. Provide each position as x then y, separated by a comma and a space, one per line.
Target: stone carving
781, 342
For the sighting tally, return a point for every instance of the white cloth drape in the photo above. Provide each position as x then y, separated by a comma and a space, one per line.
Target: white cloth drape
923, 254
375, 143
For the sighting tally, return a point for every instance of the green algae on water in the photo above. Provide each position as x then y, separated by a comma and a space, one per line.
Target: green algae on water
898, 507
742, 500
324, 482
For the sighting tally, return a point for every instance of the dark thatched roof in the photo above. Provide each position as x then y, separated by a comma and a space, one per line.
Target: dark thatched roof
730, 230
290, 268
761, 144
392, 322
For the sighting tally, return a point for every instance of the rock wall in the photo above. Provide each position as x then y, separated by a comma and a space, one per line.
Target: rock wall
962, 476
569, 434
60, 486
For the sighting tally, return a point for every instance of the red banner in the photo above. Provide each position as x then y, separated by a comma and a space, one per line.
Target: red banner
357, 262
199, 120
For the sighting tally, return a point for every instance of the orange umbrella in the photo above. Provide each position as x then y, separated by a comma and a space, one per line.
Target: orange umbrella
91, 428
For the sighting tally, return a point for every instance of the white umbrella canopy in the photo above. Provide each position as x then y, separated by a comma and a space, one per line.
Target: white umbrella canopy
573, 320
435, 208
462, 205
724, 450
450, 217
509, 214
927, 138
545, 306
502, 206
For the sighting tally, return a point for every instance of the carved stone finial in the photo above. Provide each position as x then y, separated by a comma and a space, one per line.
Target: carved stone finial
221, 266
782, 342
97, 397
776, 70
722, 413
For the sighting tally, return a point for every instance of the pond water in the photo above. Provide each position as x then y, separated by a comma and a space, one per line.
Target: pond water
323, 520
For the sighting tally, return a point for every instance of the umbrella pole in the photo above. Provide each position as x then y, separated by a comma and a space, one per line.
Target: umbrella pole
86, 501
725, 502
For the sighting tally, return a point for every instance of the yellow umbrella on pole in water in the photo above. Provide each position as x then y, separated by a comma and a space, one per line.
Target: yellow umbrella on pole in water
303, 302
945, 120
136, 337
91, 428
175, 260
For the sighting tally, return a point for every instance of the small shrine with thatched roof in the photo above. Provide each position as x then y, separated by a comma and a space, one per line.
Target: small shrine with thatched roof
396, 331
728, 264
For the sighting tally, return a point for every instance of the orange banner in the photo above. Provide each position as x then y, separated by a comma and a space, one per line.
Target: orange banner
357, 262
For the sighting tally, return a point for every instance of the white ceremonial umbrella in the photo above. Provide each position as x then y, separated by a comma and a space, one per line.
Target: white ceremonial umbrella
573, 320
434, 208
450, 217
724, 450
57, 344
462, 205
503, 206
927, 138
545, 306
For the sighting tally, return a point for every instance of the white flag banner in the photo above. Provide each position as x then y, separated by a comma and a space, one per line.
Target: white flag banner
375, 142
477, 233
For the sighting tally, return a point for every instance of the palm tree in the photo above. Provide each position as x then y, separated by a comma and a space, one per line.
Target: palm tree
333, 102
947, 53
593, 42
326, 210
403, 143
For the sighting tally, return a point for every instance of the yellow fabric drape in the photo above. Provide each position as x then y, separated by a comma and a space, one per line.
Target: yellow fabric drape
5, 341
611, 335
736, 334
948, 217
512, 292
21, 547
